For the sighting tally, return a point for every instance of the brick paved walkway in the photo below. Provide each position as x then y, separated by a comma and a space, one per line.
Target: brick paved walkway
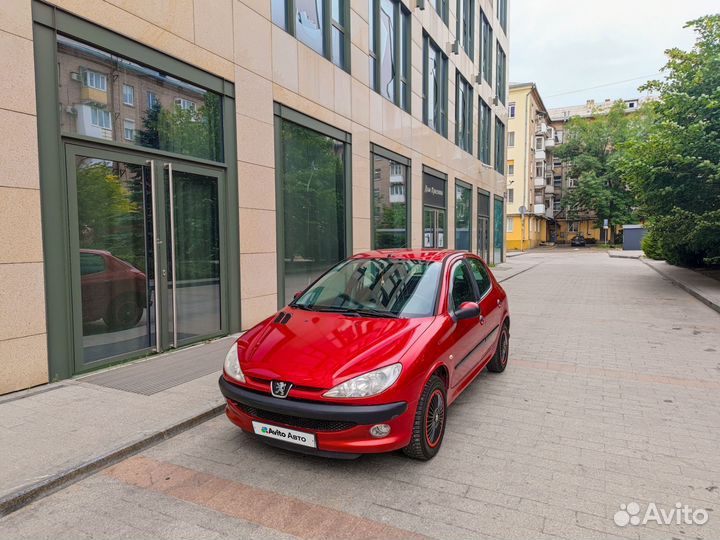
611, 397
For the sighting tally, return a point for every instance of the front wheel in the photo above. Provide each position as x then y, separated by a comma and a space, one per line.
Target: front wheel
499, 361
429, 425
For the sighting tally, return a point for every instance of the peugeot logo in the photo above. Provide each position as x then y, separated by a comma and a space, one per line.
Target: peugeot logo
280, 389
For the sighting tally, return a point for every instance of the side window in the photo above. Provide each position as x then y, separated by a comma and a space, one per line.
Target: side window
481, 276
91, 263
462, 288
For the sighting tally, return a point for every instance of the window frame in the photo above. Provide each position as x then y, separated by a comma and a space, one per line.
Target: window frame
464, 185
480, 295
86, 72
376, 150
465, 26
500, 73
502, 14
464, 140
401, 54
442, 8
130, 103
486, 48
451, 307
484, 142
127, 121
443, 87
283, 113
512, 109
327, 28
509, 223
500, 145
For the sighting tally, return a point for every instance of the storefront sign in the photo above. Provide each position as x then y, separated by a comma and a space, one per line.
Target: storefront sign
434, 191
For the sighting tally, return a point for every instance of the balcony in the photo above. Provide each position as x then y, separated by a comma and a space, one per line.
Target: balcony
540, 155
539, 182
549, 190
549, 213
550, 144
541, 128
539, 209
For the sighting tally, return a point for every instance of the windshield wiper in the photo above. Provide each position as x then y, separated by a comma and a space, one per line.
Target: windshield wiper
362, 312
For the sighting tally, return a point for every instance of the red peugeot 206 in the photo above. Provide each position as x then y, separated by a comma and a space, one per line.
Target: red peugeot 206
368, 358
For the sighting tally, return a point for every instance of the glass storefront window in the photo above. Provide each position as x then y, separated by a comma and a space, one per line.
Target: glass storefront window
390, 203
498, 234
313, 190
97, 93
463, 212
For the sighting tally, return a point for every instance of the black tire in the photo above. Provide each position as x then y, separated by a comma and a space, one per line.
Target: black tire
124, 312
499, 360
427, 439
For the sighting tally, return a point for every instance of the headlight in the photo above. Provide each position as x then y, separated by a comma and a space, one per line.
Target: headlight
369, 384
232, 364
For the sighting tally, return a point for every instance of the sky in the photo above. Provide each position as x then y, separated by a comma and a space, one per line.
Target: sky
575, 50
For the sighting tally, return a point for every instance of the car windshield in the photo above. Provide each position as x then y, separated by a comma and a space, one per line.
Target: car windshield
376, 287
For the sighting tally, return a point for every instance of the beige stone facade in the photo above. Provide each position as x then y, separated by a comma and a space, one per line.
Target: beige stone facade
237, 41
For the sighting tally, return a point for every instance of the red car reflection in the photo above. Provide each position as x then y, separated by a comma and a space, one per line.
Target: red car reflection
368, 358
112, 290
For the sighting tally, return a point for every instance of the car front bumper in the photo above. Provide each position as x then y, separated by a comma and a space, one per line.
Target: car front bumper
338, 429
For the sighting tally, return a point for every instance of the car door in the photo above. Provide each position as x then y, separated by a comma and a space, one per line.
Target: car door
464, 334
490, 307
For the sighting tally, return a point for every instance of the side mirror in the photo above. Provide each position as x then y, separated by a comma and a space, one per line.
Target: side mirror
467, 310
297, 295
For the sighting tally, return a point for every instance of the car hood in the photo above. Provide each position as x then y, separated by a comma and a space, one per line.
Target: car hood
319, 350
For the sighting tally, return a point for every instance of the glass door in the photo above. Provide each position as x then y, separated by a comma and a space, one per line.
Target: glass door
433, 228
192, 219
132, 215
483, 240
113, 255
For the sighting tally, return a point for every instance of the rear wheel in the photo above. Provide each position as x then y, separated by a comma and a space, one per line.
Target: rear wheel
499, 361
429, 425
124, 312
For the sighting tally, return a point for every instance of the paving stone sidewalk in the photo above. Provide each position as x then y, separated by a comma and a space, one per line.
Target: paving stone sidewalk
67, 427
611, 397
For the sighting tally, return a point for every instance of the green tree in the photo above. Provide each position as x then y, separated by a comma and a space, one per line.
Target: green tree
675, 169
193, 132
593, 149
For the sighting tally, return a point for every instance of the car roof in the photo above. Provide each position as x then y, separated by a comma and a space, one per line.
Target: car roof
430, 255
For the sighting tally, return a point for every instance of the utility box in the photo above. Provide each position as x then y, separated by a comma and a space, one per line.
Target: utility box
632, 237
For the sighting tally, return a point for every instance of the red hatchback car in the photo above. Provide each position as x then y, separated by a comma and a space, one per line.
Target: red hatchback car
368, 358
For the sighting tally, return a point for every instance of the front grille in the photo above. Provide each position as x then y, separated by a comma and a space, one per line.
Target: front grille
295, 421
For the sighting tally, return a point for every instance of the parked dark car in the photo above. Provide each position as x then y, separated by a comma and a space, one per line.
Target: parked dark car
578, 241
112, 290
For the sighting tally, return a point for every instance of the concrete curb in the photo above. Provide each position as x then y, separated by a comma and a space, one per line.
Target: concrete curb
688, 289
27, 494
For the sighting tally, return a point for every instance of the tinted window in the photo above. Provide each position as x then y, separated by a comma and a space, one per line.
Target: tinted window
462, 288
91, 264
481, 276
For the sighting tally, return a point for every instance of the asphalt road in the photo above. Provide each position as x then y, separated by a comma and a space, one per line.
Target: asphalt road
611, 397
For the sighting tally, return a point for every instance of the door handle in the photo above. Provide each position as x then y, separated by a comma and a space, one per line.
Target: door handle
171, 195
156, 254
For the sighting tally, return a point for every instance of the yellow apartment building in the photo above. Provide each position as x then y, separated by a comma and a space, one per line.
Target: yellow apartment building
530, 190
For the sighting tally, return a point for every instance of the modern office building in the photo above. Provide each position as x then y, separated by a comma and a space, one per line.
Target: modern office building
530, 189
580, 223
175, 171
